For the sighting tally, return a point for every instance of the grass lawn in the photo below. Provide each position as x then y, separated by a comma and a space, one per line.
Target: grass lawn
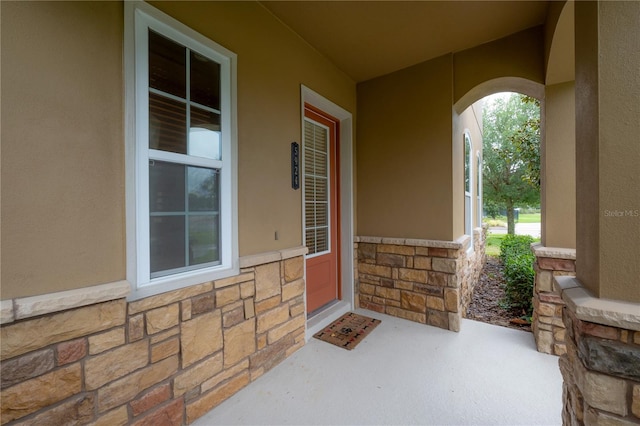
529, 218
492, 247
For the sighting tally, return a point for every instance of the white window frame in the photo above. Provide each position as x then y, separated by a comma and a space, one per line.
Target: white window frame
479, 189
139, 18
468, 213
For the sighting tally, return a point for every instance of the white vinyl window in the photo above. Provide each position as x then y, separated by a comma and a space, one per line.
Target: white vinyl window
468, 187
181, 192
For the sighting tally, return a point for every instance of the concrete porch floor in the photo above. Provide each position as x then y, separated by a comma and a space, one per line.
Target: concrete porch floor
406, 373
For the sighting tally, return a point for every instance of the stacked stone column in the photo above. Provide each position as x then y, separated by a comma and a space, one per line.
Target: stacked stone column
547, 326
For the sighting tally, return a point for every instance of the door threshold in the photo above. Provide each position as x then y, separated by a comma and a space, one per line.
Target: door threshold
326, 316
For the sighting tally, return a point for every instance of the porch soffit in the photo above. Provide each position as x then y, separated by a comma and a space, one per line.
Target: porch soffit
367, 39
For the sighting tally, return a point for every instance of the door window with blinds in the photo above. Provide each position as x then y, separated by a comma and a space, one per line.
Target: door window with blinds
183, 154
316, 187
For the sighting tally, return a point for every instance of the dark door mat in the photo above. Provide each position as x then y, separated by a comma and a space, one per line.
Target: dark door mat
348, 331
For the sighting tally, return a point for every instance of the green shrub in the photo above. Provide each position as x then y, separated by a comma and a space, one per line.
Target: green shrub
517, 258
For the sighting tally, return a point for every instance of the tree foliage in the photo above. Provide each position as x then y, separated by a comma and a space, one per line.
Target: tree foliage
511, 153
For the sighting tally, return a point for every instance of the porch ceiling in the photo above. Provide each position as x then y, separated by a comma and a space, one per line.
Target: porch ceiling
367, 39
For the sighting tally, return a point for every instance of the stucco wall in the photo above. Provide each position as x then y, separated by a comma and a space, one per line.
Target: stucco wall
559, 170
404, 153
63, 177
607, 148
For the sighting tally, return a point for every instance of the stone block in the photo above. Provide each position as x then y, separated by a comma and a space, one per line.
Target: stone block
240, 342
288, 327
636, 337
371, 269
438, 279
117, 417
610, 357
150, 399
366, 251
247, 289
438, 252
30, 335
114, 364
367, 288
267, 281
544, 281
405, 314
165, 349
551, 298
233, 317
162, 318
267, 304
365, 304
546, 309
202, 303
26, 367
170, 414
396, 249
197, 374
413, 275
388, 293
544, 341
454, 321
201, 337
435, 303
160, 337
295, 310
76, 411
136, 327
227, 295
269, 356
595, 417
393, 260
293, 269
126, 388
598, 330
413, 301
273, 317
224, 375
428, 289
451, 301
605, 393
552, 264
438, 319
249, 308
32, 395
237, 279
450, 266
635, 402
185, 308
559, 334
212, 399
165, 299
403, 285
422, 262
292, 290
105, 341
559, 349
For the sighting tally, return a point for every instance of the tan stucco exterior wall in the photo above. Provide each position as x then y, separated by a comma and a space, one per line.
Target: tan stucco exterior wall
519, 57
607, 148
63, 177
404, 153
559, 207
62, 146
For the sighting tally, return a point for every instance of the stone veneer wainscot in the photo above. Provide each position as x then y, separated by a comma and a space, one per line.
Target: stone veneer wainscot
601, 367
425, 281
165, 359
547, 325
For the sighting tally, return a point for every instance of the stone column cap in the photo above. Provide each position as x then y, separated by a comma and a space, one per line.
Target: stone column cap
615, 313
553, 252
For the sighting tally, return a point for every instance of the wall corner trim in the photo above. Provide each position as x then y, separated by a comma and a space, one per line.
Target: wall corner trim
27, 307
6, 311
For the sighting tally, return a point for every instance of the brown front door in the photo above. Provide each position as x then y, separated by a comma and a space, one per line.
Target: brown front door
321, 226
